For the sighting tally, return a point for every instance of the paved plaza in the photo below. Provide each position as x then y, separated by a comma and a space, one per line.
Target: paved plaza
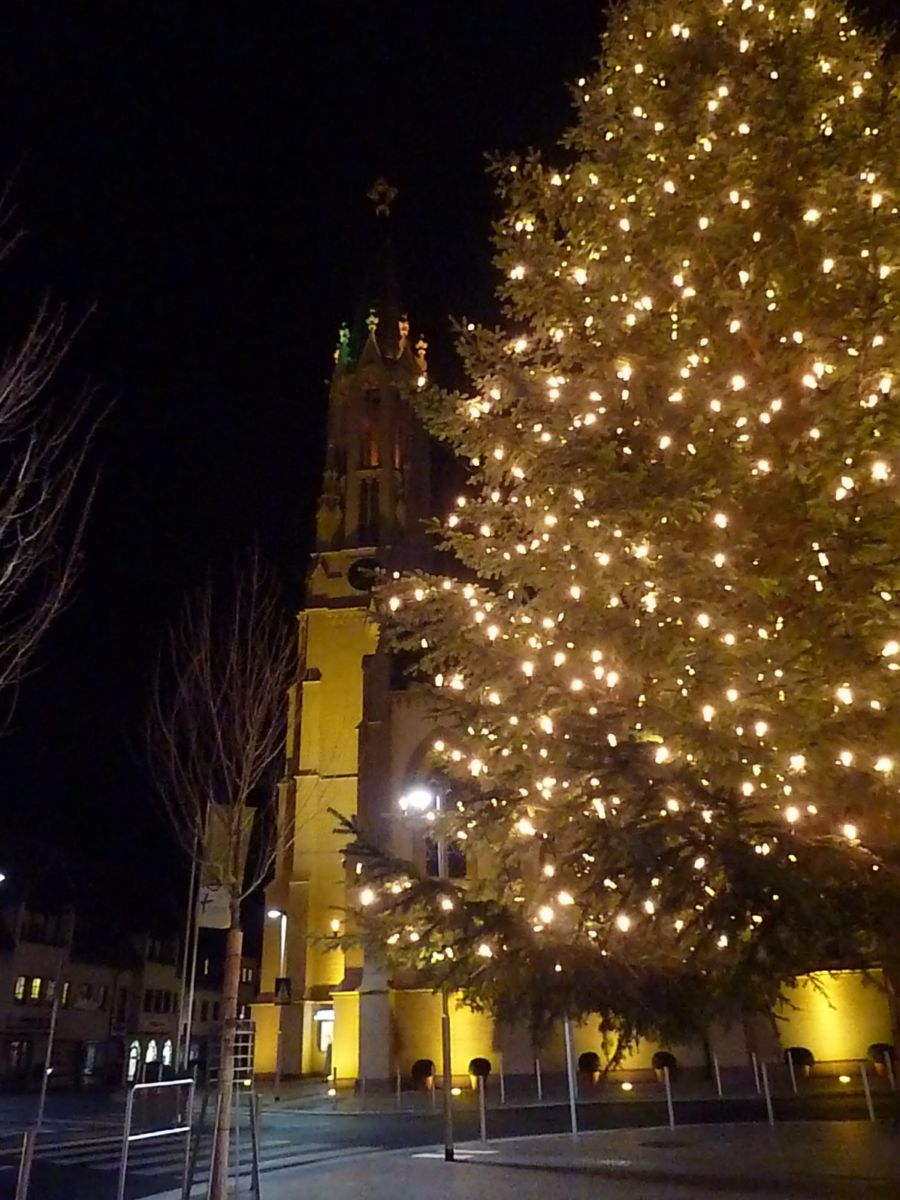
828, 1159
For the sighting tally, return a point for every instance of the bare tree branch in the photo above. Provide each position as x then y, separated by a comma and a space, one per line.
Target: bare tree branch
46, 490
215, 729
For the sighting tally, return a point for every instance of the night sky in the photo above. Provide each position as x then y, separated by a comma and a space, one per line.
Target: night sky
197, 173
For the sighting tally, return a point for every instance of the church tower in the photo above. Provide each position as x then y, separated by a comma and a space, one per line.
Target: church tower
374, 502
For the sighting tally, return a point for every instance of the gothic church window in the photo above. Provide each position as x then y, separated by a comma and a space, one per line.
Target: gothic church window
368, 510
369, 430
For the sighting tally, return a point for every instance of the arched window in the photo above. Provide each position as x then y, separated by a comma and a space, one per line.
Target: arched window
134, 1060
167, 1052
152, 1051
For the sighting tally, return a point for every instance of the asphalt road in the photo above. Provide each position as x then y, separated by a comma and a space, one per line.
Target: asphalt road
77, 1157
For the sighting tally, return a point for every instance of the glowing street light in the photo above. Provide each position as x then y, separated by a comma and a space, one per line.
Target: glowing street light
419, 799
278, 914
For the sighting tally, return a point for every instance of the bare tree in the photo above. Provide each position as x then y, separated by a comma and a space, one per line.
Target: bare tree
215, 737
46, 490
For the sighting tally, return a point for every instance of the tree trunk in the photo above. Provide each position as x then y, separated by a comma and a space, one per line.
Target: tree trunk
219, 1167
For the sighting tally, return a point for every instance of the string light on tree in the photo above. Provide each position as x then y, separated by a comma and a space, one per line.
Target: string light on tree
668, 670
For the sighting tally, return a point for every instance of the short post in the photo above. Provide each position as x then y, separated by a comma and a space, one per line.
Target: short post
482, 1116
397, 1088
755, 1064
868, 1091
537, 1079
717, 1074
502, 1084
25, 1162
790, 1063
667, 1077
889, 1066
570, 1074
765, 1080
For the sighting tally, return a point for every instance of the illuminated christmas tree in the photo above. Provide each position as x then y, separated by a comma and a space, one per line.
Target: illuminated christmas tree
664, 669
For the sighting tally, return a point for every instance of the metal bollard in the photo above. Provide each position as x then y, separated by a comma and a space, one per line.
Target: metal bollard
570, 1076
718, 1075
667, 1076
868, 1091
770, 1112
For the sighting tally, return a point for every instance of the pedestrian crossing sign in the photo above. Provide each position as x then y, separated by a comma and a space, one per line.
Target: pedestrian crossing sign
282, 990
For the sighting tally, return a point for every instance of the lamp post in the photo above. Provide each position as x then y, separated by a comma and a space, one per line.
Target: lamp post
278, 914
421, 799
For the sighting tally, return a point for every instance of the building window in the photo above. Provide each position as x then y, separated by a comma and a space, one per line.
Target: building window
50, 991
121, 1003
18, 1056
152, 1051
134, 1060
167, 1052
368, 511
206, 966
215, 1010
324, 1020
148, 1000
36, 985
19, 991
102, 992
64, 999
89, 1060
204, 1010
369, 430
456, 860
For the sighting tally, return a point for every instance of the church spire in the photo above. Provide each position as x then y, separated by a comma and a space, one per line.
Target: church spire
375, 491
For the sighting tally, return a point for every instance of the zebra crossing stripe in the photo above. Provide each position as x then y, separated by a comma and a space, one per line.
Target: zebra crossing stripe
302, 1160
153, 1160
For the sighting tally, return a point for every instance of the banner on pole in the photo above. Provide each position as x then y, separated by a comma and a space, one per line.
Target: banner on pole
214, 906
225, 847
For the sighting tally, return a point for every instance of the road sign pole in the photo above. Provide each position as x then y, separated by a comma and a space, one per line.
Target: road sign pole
51, 1039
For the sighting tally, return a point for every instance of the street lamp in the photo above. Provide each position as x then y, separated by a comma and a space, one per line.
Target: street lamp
423, 800
278, 914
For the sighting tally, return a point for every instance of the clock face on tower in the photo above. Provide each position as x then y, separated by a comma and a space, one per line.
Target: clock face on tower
362, 574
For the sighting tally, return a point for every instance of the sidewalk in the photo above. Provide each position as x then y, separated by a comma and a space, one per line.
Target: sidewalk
823, 1160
